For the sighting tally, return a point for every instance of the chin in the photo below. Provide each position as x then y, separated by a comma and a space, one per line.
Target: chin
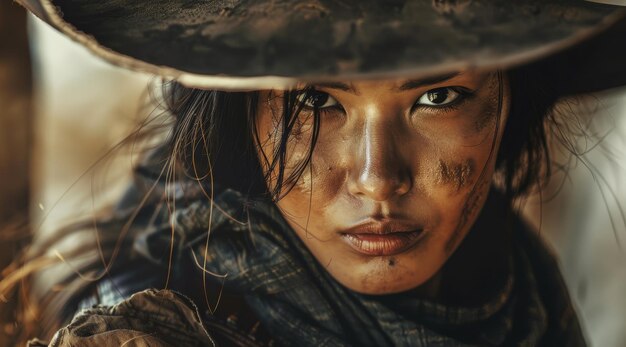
386, 275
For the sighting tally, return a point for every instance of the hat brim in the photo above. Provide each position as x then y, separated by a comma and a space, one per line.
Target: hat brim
259, 44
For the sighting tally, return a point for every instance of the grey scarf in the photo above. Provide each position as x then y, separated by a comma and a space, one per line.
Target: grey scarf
298, 302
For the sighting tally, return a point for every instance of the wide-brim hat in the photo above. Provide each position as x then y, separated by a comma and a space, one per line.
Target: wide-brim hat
257, 44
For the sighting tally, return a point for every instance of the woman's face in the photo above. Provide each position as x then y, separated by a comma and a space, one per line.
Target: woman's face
399, 173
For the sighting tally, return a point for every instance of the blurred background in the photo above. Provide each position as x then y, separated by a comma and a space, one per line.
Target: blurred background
63, 112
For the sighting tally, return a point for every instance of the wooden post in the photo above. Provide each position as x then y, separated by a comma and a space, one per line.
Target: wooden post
15, 144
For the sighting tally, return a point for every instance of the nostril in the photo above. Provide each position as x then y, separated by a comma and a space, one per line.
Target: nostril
403, 184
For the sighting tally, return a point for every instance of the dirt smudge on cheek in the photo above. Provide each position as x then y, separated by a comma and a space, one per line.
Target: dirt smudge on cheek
458, 175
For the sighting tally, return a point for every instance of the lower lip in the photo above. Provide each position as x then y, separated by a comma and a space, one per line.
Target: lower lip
383, 244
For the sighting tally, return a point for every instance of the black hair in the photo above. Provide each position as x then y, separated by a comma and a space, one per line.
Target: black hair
214, 138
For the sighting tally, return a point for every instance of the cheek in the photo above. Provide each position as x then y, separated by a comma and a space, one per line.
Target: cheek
319, 184
448, 170
328, 165
470, 144
322, 182
457, 175
462, 174
270, 125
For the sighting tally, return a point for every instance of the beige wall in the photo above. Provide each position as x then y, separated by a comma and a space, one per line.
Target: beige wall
15, 144
84, 108
577, 220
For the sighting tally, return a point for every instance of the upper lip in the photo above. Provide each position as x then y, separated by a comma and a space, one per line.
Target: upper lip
382, 227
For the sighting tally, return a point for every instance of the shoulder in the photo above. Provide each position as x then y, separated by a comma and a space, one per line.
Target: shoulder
157, 318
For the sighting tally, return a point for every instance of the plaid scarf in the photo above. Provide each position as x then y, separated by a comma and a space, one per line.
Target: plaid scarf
298, 302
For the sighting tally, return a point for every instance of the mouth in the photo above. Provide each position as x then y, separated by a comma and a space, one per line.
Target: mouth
382, 238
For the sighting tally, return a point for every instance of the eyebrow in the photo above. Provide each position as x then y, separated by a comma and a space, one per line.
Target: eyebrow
408, 85
337, 85
418, 83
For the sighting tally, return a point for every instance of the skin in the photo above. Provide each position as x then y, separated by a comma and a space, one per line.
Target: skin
382, 154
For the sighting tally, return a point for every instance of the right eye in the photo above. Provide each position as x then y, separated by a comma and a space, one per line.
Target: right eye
439, 97
316, 99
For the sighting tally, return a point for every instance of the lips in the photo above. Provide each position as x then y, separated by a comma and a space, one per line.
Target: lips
382, 238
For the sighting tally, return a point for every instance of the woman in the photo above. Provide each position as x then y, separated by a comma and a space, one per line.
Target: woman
352, 211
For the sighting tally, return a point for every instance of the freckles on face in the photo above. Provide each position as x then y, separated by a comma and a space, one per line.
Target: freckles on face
388, 169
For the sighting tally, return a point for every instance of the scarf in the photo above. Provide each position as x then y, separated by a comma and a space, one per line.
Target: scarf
299, 303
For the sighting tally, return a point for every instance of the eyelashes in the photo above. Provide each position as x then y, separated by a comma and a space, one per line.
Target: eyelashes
313, 100
442, 99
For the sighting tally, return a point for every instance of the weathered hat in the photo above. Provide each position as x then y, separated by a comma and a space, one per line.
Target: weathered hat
255, 44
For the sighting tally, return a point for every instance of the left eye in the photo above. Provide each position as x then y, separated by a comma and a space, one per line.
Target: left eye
317, 100
438, 97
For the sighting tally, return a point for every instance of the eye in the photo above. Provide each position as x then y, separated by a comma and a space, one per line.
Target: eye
438, 97
316, 99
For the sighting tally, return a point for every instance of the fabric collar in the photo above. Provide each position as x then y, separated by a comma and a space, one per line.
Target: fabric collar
260, 257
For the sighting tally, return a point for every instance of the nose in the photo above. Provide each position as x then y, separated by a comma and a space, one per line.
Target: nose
379, 171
